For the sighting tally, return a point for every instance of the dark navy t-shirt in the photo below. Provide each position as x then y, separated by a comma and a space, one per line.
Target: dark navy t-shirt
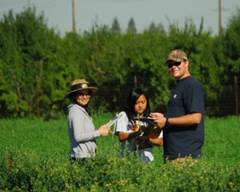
186, 98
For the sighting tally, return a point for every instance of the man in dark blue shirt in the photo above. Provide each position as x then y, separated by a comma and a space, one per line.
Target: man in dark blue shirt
183, 128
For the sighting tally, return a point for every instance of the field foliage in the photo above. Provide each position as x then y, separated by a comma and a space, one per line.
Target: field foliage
34, 157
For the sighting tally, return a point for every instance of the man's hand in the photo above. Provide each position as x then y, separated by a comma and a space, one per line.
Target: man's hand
159, 119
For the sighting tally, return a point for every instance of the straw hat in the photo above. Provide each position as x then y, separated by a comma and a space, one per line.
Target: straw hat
80, 85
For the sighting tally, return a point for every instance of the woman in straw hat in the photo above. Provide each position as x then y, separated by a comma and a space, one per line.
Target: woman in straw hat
82, 132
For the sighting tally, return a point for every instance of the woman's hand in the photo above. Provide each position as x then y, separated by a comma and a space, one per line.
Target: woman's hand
103, 130
135, 127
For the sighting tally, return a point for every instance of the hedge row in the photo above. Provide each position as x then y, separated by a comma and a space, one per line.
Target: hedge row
37, 65
29, 172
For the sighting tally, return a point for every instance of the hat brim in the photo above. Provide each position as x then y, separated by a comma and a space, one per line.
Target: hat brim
92, 89
173, 60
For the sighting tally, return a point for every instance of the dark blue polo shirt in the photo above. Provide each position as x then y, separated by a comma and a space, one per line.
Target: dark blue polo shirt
187, 97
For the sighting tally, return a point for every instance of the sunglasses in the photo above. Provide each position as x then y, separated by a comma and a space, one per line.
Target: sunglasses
173, 63
87, 93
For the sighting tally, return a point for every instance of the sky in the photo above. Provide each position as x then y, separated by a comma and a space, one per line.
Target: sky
58, 13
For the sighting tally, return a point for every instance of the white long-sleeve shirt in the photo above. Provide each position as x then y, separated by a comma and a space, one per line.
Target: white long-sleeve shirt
82, 133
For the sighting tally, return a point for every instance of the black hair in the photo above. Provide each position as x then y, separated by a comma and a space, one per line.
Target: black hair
132, 98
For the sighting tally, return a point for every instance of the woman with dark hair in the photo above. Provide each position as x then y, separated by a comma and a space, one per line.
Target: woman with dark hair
129, 127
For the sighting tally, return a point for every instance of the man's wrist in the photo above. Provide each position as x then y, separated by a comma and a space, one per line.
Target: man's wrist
167, 121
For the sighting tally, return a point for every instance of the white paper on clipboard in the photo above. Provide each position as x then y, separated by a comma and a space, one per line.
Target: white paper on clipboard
114, 120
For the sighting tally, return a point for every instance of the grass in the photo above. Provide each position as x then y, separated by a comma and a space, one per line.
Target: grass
222, 140
49, 138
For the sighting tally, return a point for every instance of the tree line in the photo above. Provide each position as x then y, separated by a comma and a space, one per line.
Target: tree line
37, 64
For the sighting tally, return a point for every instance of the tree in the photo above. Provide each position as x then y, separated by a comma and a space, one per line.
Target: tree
232, 43
131, 26
156, 28
27, 45
116, 26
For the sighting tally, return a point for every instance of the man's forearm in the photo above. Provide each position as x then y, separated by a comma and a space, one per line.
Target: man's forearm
185, 120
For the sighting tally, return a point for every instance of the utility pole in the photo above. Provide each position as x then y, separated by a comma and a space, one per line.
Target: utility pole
74, 16
219, 16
